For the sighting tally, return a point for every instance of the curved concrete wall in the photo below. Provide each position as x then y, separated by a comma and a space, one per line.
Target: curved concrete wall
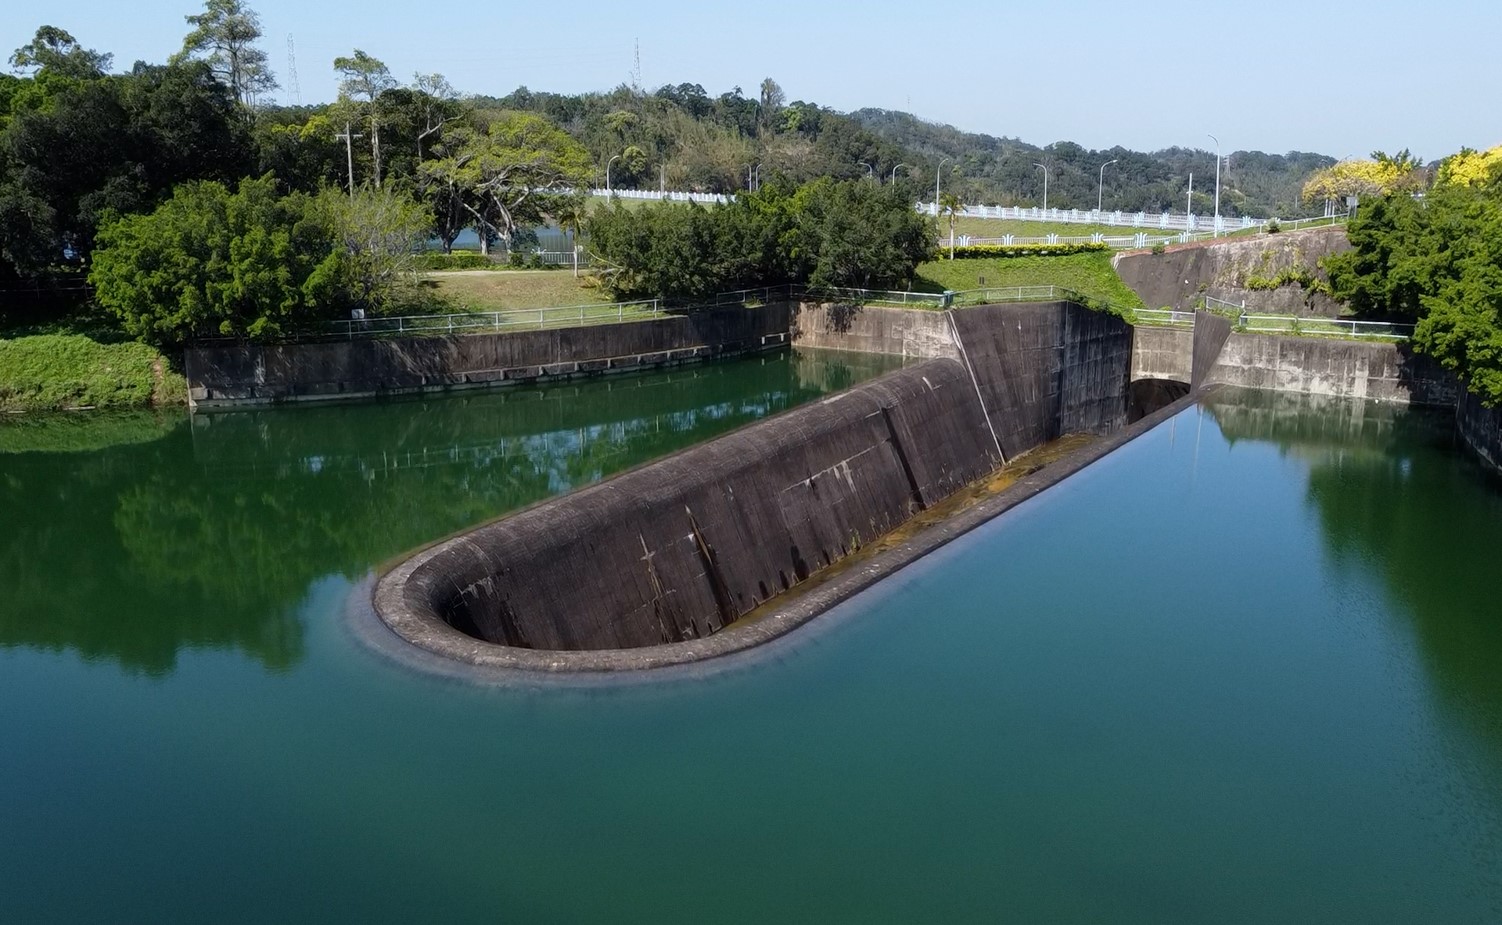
265, 373
680, 548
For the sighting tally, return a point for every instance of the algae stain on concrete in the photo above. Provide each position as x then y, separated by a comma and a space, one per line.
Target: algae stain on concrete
923, 520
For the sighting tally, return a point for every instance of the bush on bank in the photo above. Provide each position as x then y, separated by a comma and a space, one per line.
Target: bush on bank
827, 233
979, 251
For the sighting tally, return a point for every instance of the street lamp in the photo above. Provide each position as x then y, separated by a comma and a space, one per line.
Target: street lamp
607, 173
1216, 232
1045, 188
870, 171
753, 178
894, 171
937, 173
1100, 193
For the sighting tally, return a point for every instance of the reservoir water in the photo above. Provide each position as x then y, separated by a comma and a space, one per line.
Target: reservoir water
1247, 668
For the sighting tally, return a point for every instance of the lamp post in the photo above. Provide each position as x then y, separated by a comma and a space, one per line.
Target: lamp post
870, 171
607, 173
938, 171
1216, 232
753, 179
1045, 188
894, 171
1100, 193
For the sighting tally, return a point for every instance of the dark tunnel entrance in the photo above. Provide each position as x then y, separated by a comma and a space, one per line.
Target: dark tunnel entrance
1145, 396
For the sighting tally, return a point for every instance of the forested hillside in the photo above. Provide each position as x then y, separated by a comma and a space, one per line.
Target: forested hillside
686, 138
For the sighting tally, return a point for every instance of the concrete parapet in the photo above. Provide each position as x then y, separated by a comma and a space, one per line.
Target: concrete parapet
1323, 366
906, 332
224, 376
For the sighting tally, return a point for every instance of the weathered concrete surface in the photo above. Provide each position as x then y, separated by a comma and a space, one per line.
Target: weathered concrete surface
679, 549
468, 658
1183, 275
1210, 335
1321, 366
1046, 369
262, 374
896, 331
1162, 353
1481, 429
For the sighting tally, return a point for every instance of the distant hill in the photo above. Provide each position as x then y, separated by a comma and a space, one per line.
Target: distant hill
1001, 171
682, 136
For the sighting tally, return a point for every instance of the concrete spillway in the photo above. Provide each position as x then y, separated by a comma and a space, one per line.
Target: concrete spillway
649, 568
680, 549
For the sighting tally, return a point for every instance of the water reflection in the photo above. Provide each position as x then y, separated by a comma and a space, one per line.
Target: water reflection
1396, 496
132, 539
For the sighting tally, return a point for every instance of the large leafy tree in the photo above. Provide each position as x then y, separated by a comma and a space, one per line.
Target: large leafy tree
215, 262
510, 173
225, 35
1437, 261
381, 233
55, 52
77, 145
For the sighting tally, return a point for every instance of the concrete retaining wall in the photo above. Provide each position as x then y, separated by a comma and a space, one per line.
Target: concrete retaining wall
680, 548
1046, 369
1162, 353
1347, 369
261, 374
1226, 269
1481, 428
897, 331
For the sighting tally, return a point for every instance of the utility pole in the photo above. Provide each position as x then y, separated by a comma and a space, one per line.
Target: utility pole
1216, 232
1045, 188
937, 173
1189, 202
1100, 193
349, 154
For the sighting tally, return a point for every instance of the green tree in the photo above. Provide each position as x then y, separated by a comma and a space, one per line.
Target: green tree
54, 51
362, 81
211, 262
225, 35
381, 232
950, 206
511, 172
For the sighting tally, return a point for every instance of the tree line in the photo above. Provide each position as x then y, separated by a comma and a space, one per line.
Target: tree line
1428, 249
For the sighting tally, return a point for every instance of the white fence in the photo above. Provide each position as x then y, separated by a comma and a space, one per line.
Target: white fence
1283, 324
662, 195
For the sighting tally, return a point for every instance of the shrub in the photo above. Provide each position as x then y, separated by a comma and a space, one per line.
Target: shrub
455, 262
1160, 248
1028, 250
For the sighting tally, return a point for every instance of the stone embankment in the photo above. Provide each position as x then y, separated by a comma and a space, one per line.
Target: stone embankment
1238, 270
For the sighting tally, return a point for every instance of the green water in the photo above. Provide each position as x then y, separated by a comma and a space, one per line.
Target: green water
1246, 669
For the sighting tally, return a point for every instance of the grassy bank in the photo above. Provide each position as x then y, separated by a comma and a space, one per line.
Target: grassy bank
59, 372
500, 290
1091, 274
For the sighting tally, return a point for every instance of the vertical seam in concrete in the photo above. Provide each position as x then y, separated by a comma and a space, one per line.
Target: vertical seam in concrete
907, 469
965, 355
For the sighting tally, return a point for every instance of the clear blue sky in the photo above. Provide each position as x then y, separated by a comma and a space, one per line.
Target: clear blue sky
1341, 77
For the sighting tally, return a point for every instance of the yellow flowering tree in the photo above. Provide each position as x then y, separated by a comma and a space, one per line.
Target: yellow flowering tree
1471, 168
1357, 177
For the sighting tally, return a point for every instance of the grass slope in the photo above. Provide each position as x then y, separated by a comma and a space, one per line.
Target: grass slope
55, 372
499, 290
1091, 274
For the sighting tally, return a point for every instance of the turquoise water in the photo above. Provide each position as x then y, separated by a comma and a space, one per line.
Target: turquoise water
1246, 669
